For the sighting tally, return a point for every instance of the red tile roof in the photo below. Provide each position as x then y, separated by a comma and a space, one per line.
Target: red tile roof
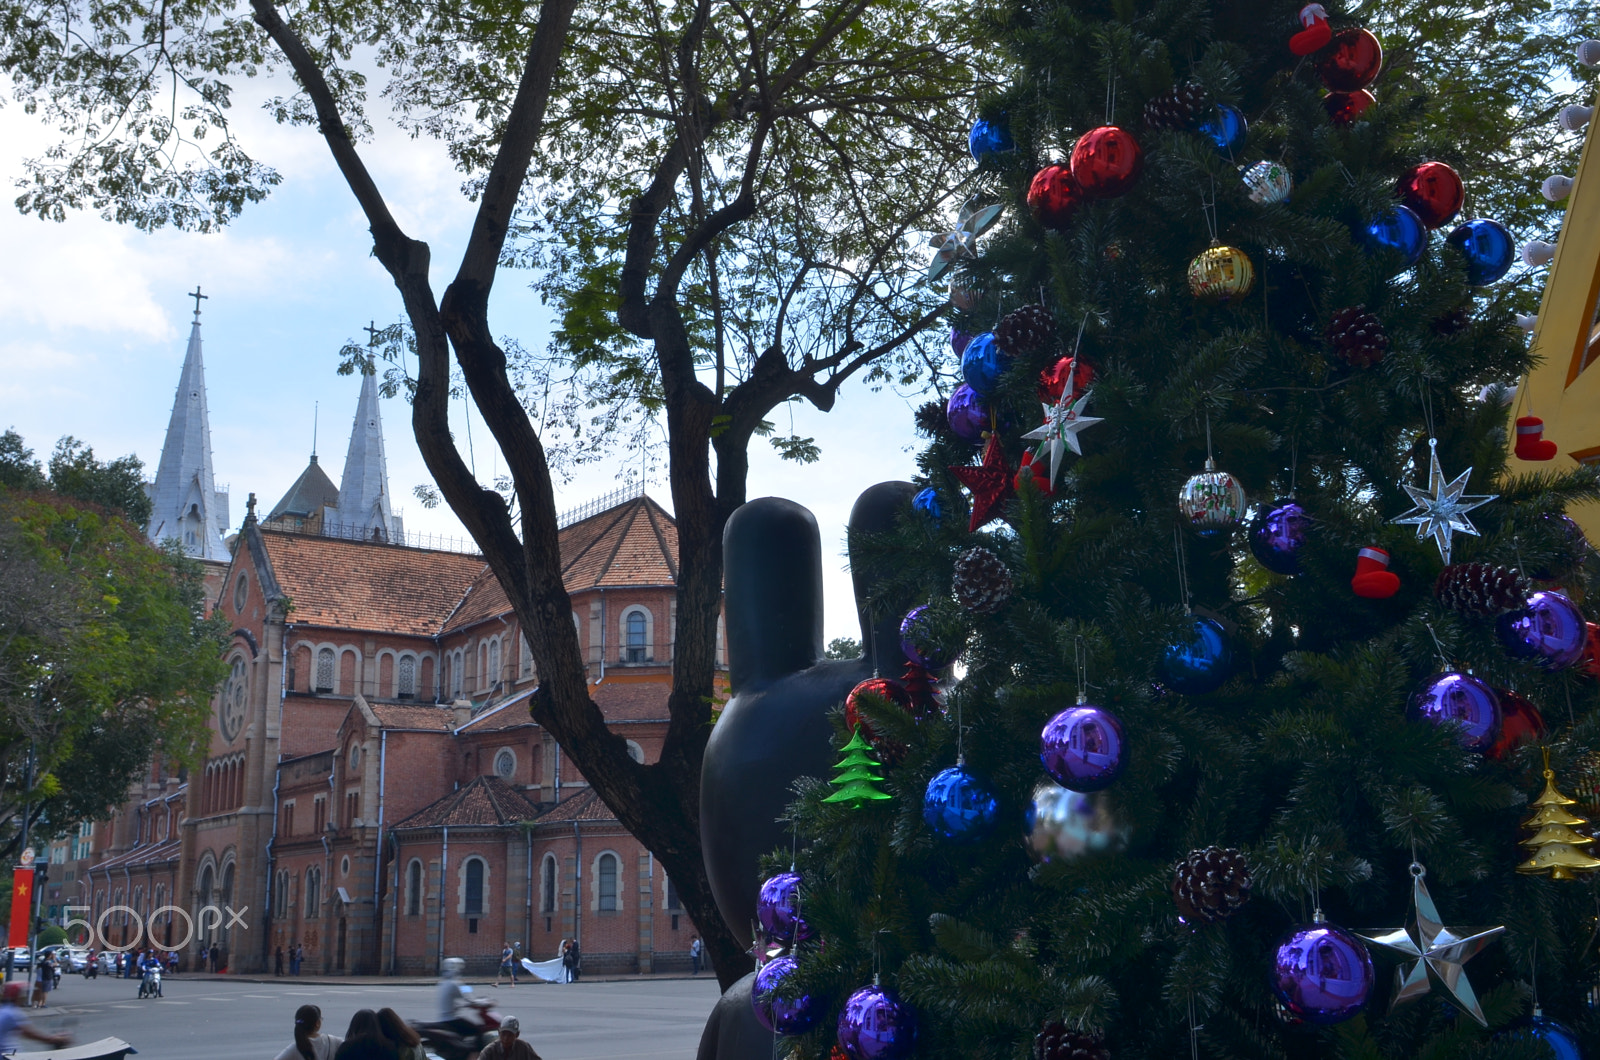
486, 802
420, 592
584, 806
357, 585
408, 716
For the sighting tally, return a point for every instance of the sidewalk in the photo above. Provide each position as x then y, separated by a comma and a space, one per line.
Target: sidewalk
419, 980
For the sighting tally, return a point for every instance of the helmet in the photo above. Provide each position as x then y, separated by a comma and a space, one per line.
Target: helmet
14, 993
453, 967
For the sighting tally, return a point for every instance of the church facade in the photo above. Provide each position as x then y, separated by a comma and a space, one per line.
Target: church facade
375, 790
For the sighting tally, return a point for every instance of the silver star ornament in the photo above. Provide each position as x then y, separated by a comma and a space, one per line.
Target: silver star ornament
972, 222
1441, 510
1437, 953
1062, 422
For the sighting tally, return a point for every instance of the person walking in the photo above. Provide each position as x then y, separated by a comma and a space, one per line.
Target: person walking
309, 1041
277, 963
216, 954
577, 961
508, 965
299, 957
509, 1045
405, 1040
44, 980
696, 949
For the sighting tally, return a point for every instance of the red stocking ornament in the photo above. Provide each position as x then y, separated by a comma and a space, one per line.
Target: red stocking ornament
1373, 579
1531, 442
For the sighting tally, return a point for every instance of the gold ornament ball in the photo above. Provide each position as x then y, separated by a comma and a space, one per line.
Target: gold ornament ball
1221, 273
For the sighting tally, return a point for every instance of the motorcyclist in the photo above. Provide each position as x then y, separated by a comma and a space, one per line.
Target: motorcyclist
150, 974
455, 999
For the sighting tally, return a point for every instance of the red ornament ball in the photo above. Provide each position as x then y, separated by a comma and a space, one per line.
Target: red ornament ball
1106, 162
1345, 107
1353, 63
1054, 196
1053, 380
1433, 191
879, 687
1520, 723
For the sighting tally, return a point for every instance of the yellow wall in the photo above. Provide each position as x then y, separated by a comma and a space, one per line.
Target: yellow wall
1561, 390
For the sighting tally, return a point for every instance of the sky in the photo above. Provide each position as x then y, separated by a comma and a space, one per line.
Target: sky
96, 320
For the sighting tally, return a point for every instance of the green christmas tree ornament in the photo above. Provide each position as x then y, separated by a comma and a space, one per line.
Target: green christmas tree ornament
856, 775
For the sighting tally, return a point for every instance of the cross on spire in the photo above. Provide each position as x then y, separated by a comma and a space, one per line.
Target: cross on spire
372, 334
197, 296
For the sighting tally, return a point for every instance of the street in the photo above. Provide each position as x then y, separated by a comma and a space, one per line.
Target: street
212, 1019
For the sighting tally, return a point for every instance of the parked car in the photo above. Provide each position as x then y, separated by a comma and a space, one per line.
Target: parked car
21, 958
71, 958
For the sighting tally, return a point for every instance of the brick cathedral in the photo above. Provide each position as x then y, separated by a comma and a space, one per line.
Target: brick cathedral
375, 790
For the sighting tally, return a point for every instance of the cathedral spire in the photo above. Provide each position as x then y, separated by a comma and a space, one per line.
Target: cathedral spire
364, 490
185, 503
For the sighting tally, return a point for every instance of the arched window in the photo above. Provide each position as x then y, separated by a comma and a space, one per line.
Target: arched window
406, 682
525, 662
483, 664
414, 888
636, 752
455, 675
241, 592
636, 637
606, 877
325, 661
672, 903
204, 897
492, 678
313, 891
472, 894
547, 890
280, 893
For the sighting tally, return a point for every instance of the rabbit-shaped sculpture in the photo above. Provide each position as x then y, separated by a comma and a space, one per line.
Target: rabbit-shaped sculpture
775, 728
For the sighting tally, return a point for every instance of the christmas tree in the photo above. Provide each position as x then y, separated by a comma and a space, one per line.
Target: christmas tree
856, 775
1233, 273
1557, 848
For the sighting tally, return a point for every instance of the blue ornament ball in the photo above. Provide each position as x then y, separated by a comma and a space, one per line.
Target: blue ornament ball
966, 414
982, 362
989, 138
1082, 748
1322, 974
1463, 700
958, 806
921, 642
1399, 230
1488, 248
876, 1025
781, 1015
1559, 1039
1549, 628
1226, 128
1278, 535
778, 909
1199, 659
927, 502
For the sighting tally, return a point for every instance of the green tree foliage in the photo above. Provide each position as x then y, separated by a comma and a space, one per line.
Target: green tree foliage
1305, 758
106, 659
115, 485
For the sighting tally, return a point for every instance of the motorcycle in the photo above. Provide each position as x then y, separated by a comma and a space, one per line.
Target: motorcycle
451, 1041
150, 985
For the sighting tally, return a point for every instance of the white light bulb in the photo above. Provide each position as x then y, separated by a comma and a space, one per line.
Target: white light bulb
1588, 53
1556, 187
1574, 117
1537, 252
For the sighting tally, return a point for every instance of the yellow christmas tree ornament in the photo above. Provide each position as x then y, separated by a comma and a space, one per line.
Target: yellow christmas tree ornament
1557, 848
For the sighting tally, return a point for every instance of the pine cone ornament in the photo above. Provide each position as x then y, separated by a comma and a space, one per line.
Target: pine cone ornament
1357, 336
1452, 322
1175, 109
982, 583
1481, 589
1025, 330
1211, 884
1056, 1041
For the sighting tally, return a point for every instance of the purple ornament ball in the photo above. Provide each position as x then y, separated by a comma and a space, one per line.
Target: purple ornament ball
920, 642
1277, 536
778, 909
875, 1025
1464, 700
959, 340
1082, 748
1322, 974
777, 1014
1549, 628
966, 414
